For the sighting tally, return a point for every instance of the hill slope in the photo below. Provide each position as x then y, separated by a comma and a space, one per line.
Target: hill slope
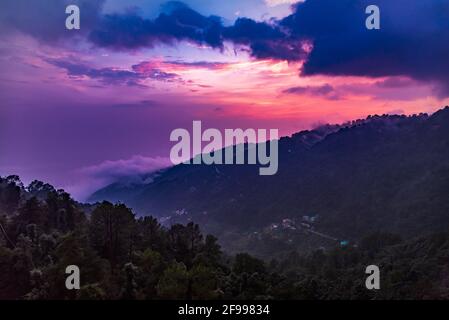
384, 173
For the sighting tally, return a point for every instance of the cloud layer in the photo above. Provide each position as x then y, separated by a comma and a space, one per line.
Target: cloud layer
113, 76
413, 40
133, 170
329, 36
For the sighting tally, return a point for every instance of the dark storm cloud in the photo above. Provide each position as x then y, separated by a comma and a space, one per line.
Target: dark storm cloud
177, 22
265, 40
413, 40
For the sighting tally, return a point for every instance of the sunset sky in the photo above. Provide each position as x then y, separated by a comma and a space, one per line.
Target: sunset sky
79, 108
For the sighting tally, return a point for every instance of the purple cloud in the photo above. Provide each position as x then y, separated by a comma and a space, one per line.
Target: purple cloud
113, 76
325, 90
199, 64
395, 82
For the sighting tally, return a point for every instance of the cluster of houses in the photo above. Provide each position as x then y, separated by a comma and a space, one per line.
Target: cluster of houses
306, 223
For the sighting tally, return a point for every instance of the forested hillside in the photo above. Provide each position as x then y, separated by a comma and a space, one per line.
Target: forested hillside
379, 174
42, 230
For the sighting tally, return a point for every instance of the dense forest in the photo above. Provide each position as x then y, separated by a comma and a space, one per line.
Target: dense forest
121, 256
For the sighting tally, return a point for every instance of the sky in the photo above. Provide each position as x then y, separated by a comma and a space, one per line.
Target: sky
81, 108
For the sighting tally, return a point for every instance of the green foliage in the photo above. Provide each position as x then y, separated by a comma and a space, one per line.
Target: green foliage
203, 283
111, 231
15, 266
244, 263
10, 194
91, 292
174, 282
121, 257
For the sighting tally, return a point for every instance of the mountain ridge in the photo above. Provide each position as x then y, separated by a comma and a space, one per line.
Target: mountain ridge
382, 173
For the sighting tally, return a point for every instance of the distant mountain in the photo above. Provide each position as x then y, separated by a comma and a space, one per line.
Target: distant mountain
382, 173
